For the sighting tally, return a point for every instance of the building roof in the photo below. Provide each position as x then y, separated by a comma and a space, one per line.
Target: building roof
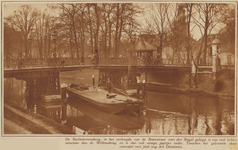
215, 42
142, 45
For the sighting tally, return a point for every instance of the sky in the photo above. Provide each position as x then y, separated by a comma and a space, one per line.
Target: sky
9, 7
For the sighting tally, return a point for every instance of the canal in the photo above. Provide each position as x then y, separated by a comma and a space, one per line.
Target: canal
167, 113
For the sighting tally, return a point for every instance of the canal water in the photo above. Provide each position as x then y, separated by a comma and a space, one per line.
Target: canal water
167, 114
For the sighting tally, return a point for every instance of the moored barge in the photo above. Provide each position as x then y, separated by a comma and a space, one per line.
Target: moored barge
117, 104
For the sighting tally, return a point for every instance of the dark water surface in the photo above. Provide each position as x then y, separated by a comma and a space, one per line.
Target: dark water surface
168, 114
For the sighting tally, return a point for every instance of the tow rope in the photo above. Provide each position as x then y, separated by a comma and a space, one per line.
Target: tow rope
166, 112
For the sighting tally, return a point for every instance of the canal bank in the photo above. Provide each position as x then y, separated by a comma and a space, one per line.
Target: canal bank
18, 120
223, 87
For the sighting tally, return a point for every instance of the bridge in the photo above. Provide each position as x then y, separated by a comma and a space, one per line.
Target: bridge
50, 71
42, 76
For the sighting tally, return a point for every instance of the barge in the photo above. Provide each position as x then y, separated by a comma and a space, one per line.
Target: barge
101, 100
96, 120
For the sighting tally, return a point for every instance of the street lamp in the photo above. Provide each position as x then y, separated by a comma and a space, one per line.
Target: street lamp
54, 38
30, 53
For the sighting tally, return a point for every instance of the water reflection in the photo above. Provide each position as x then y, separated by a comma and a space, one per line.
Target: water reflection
97, 122
170, 114
15, 89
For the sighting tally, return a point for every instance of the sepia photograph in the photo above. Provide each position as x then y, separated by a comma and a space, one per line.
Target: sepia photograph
128, 68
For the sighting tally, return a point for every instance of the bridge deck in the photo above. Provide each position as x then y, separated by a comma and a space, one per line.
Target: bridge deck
50, 71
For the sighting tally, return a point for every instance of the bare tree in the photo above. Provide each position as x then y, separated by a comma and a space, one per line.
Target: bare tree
189, 10
124, 19
227, 34
97, 13
90, 25
110, 22
41, 32
158, 23
11, 36
177, 30
208, 18
70, 12
23, 20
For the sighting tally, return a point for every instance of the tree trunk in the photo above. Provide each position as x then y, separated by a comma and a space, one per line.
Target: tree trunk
26, 48
188, 33
205, 35
49, 44
75, 38
117, 27
105, 35
161, 44
90, 28
120, 27
82, 40
97, 30
41, 40
110, 38
70, 44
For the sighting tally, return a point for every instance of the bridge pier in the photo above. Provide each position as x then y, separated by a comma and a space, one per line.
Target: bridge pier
43, 85
120, 78
39, 83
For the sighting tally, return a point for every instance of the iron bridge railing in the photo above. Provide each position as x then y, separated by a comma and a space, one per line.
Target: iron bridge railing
62, 62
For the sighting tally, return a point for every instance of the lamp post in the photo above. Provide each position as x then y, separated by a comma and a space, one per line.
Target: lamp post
30, 41
133, 39
54, 38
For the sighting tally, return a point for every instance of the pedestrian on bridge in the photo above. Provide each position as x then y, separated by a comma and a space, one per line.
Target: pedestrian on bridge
62, 61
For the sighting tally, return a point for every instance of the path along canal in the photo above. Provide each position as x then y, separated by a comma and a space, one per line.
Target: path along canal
169, 114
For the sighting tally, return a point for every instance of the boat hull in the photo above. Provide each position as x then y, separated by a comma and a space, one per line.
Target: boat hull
98, 119
120, 107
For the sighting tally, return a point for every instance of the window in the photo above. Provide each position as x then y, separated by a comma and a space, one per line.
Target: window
228, 59
210, 51
218, 49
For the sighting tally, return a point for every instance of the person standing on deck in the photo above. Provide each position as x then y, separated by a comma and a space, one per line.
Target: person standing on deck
109, 85
138, 88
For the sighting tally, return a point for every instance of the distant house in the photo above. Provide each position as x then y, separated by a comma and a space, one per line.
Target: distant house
169, 54
227, 48
227, 58
198, 46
